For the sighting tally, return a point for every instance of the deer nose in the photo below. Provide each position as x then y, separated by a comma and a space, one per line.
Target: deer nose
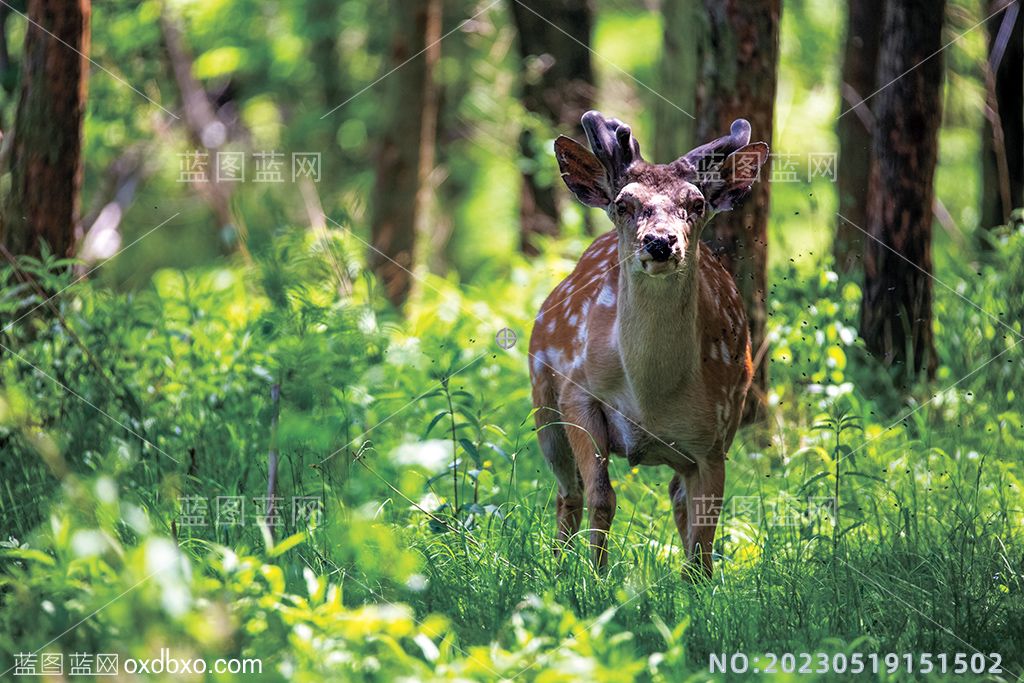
660, 248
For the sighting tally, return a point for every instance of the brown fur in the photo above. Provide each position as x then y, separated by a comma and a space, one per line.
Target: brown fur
648, 358
596, 386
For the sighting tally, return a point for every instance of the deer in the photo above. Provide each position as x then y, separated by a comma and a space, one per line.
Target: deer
643, 351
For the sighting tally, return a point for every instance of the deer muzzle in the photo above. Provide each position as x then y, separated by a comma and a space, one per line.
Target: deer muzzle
658, 255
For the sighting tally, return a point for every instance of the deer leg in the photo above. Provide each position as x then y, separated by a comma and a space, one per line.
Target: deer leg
677, 494
570, 514
556, 449
704, 488
588, 436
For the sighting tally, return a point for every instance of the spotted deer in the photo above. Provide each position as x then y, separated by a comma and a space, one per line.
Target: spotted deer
644, 350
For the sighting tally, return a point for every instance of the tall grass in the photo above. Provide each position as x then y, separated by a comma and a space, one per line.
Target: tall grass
856, 519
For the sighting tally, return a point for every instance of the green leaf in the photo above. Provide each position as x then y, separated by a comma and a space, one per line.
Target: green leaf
812, 480
287, 544
433, 423
29, 554
470, 448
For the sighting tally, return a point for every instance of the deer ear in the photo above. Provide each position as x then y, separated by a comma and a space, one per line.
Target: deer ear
728, 184
583, 174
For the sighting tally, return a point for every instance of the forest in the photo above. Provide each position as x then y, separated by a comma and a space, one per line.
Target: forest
290, 389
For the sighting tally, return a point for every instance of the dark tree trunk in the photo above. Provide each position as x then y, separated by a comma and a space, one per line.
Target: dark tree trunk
674, 122
736, 79
406, 153
896, 312
322, 30
860, 63
557, 87
7, 74
46, 155
1002, 187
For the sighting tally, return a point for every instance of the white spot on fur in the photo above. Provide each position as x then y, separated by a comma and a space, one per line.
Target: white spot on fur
538, 362
713, 352
581, 336
606, 297
725, 352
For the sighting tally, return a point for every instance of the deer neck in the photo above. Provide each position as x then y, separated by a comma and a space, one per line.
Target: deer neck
658, 331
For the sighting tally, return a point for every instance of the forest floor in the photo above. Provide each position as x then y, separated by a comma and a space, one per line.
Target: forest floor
873, 525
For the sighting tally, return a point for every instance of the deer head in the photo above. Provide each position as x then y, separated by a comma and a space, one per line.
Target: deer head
658, 210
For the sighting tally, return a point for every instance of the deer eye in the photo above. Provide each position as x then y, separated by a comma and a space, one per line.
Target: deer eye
623, 208
697, 207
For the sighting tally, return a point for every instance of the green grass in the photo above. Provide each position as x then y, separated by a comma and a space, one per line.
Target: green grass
925, 554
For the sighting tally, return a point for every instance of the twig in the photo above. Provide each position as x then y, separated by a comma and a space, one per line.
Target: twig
205, 127
991, 68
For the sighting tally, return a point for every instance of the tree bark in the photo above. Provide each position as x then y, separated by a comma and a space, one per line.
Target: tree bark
860, 63
896, 312
1002, 186
674, 122
557, 87
46, 156
736, 79
406, 156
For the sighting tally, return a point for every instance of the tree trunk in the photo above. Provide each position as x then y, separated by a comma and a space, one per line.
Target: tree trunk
736, 79
406, 156
322, 30
557, 87
674, 122
860, 63
1002, 187
7, 74
46, 155
896, 312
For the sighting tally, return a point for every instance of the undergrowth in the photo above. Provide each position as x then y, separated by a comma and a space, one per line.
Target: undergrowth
857, 518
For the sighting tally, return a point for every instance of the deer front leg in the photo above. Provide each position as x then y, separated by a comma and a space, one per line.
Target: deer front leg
554, 444
569, 509
697, 513
569, 503
588, 436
